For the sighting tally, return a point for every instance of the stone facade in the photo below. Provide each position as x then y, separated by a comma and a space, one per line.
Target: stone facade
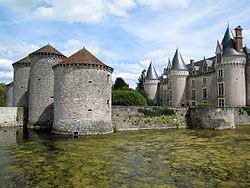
41, 87
20, 84
9, 95
12, 116
223, 80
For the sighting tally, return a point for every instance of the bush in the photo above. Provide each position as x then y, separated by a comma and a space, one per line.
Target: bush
2, 94
247, 109
156, 111
206, 105
128, 98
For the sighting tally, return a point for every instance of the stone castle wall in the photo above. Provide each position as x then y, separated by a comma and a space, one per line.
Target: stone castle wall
12, 116
41, 88
20, 85
9, 95
82, 103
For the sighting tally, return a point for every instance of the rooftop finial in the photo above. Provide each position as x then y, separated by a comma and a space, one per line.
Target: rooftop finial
83, 47
228, 24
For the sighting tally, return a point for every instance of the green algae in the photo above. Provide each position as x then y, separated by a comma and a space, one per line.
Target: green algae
152, 158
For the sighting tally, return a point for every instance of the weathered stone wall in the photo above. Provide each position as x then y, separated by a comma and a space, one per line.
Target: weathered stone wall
82, 103
241, 117
9, 95
211, 118
128, 118
20, 84
12, 116
41, 88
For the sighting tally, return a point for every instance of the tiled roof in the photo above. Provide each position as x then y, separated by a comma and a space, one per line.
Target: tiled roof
24, 60
47, 49
83, 56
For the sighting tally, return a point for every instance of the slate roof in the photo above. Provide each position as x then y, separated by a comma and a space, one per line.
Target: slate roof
83, 56
178, 62
48, 49
151, 73
228, 39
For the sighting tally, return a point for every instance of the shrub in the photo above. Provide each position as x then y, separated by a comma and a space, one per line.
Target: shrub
206, 105
2, 94
247, 109
156, 111
128, 98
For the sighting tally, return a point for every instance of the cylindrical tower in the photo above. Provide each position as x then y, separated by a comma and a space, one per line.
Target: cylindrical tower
82, 103
178, 82
21, 80
41, 85
9, 95
151, 84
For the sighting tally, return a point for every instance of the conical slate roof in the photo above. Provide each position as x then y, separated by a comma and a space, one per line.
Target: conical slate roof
178, 63
169, 64
83, 56
48, 49
228, 39
151, 73
24, 60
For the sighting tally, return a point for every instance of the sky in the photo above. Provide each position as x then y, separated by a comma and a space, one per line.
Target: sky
124, 34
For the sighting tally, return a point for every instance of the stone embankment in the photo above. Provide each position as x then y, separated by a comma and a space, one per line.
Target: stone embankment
13, 116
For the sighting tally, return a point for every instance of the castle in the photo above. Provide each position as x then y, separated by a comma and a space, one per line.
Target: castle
73, 95
223, 80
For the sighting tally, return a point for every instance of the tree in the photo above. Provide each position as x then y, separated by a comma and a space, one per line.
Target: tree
140, 85
128, 98
120, 84
2, 94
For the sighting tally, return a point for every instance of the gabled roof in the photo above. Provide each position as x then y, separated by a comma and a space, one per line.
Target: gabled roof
178, 62
24, 60
151, 73
48, 49
83, 56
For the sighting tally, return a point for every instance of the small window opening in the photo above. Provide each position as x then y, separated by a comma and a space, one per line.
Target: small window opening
75, 133
90, 81
107, 101
52, 97
38, 79
90, 110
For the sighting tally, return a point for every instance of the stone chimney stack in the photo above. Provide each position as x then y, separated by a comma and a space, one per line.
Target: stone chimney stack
238, 38
191, 62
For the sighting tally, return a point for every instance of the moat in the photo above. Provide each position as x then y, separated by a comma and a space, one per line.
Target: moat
167, 158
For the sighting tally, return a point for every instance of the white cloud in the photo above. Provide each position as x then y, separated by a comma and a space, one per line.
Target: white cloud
5, 64
164, 4
246, 34
18, 5
120, 7
6, 75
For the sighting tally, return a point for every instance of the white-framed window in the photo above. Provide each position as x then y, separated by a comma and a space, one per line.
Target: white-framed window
220, 88
221, 102
220, 73
193, 83
193, 92
204, 81
193, 103
204, 93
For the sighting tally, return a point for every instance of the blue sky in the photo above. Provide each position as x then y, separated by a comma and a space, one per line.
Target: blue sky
124, 34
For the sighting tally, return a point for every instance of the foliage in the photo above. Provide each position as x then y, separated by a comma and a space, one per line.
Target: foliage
206, 105
139, 84
2, 94
156, 111
120, 84
247, 109
128, 98
114, 128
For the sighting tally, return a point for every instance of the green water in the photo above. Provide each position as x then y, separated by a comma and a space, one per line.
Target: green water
152, 158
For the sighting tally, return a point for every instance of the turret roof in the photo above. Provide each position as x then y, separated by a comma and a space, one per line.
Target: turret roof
178, 62
151, 73
48, 49
228, 39
83, 56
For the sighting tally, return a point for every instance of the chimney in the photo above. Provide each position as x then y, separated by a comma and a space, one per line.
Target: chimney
238, 38
191, 62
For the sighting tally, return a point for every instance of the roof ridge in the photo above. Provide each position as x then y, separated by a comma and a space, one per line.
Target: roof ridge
47, 49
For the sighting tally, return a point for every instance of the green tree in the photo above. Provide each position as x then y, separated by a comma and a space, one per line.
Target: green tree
128, 98
2, 94
140, 85
120, 84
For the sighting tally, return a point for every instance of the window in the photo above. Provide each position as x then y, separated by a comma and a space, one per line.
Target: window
193, 83
220, 73
170, 95
221, 88
170, 103
193, 94
193, 103
221, 102
205, 69
204, 81
218, 57
108, 79
204, 93
170, 83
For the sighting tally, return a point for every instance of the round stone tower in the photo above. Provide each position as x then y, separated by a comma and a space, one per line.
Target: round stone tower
230, 72
41, 85
151, 84
177, 84
9, 95
82, 103
20, 84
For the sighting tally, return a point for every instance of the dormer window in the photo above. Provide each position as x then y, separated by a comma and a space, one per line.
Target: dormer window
218, 57
205, 68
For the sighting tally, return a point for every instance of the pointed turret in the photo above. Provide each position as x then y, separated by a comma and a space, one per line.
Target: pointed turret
178, 62
228, 39
169, 64
151, 73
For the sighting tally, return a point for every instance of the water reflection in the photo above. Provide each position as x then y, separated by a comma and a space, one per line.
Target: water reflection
167, 158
